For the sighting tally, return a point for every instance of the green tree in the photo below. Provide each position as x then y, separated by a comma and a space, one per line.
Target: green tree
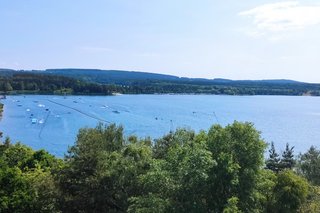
17, 155
176, 183
238, 151
309, 165
101, 171
26, 181
46, 191
287, 160
43, 160
264, 192
4, 145
16, 193
273, 162
173, 139
312, 205
213, 172
290, 192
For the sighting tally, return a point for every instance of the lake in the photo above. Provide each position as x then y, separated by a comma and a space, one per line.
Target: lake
52, 122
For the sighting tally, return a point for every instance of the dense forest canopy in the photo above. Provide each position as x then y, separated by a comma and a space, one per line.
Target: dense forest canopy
219, 170
26, 82
82, 81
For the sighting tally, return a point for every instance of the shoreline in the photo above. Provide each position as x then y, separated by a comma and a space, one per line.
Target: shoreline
119, 94
1, 109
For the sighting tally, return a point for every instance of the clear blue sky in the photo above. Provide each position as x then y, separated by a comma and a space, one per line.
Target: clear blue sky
247, 39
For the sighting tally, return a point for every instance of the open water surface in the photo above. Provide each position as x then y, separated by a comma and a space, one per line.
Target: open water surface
52, 122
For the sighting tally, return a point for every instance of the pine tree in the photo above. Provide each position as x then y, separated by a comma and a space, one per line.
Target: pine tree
273, 163
287, 160
309, 165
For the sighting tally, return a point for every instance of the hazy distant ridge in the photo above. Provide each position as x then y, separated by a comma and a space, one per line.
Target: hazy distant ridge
128, 77
94, 81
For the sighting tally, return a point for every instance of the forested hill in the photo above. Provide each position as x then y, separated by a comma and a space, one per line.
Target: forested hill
111, 76
131, 77
35, 83
133, 82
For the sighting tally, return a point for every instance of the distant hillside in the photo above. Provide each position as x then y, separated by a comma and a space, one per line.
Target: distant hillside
132, 82
111, 76
6, 72
37, 83
129, 77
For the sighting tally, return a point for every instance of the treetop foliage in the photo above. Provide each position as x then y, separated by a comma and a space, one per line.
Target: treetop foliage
219, 170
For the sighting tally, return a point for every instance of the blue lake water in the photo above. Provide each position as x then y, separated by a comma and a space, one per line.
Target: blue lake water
52, 122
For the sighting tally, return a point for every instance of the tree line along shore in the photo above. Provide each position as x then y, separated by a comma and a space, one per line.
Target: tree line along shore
41, 83
219, 170
1, 109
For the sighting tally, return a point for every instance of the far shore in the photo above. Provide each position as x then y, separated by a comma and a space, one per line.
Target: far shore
18, 93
